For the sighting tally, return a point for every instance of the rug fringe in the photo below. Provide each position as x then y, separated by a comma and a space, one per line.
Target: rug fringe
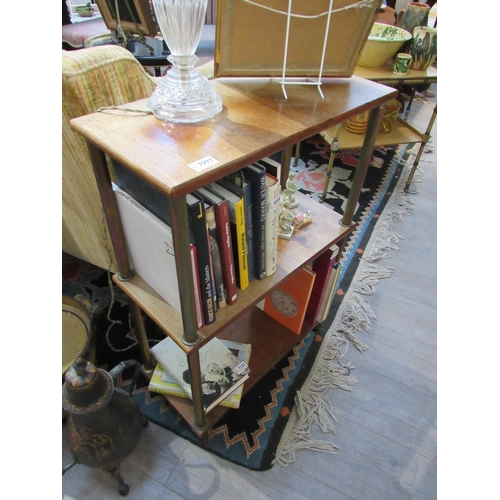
312, 406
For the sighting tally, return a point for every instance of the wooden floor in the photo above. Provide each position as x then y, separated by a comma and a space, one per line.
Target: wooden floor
386, 427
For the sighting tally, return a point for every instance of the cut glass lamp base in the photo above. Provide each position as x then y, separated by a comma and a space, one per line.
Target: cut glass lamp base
184, 96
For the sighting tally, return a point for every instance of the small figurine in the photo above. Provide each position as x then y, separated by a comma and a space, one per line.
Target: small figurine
286, 216
302, 219
290, 190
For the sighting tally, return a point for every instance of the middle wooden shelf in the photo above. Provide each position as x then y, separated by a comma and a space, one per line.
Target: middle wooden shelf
305, 245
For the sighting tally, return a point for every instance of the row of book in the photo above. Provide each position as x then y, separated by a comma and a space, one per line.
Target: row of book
233, 231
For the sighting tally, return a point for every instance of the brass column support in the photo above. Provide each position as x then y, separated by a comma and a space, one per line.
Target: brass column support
196, 389
334, 147
182, 252
140, 333
286, 158
103, 179
427, 136
363, 164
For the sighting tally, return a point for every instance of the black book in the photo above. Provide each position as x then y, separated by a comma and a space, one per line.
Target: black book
219, 291
256, 175
146, 194
198, 234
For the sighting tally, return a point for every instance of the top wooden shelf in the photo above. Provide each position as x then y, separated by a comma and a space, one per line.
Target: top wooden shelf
386, 76
256, 121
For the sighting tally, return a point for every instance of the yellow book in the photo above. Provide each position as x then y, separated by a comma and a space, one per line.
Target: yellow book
238, 232
162, 383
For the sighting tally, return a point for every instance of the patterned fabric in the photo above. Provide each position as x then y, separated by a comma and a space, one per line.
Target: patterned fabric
92, 78
75, 34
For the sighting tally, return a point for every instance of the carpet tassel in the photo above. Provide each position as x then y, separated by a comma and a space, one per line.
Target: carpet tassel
312, 405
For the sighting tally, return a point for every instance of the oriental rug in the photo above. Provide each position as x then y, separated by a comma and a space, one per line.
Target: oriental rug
274, 417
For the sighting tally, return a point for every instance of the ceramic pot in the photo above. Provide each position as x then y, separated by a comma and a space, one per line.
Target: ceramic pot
391, 112
423, 48
358, 124
401, 64
415, 14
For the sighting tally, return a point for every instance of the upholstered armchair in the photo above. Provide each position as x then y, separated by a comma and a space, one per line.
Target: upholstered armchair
92, 78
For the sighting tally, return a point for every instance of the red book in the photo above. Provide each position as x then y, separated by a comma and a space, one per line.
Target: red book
224, 240
322, 266
288, 303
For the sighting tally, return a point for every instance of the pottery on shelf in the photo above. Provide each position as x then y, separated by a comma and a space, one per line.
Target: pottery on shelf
423, 48
383, 42
84, 10
358, 124
415, 14
391, 112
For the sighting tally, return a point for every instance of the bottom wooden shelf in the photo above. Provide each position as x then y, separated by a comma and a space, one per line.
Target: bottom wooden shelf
402, 133
270, 342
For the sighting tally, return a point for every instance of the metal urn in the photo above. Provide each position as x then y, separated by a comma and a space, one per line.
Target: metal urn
105, 423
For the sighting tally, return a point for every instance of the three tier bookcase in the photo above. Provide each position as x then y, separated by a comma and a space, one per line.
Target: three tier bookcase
256, 121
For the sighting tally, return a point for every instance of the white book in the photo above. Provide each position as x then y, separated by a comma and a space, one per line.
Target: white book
273, 191
221, 371
151, 251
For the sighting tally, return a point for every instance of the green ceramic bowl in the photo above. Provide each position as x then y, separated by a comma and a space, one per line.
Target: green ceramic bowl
384, 41
84, 11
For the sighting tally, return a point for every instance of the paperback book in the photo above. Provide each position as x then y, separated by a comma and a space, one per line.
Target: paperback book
221, 371
162, 383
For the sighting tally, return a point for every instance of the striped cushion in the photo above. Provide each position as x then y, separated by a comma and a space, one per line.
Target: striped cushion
91, 78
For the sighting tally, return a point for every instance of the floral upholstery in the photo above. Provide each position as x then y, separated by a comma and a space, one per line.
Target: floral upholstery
92, 78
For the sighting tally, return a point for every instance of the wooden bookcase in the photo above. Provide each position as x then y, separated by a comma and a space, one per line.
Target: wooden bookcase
256, 121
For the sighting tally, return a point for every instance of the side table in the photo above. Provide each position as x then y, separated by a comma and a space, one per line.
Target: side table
338, 138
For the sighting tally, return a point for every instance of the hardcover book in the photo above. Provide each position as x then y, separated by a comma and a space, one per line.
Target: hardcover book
271, 166
322, 266
151, 251
273, 191
219, 291
256, 175
162, 383
288, 303
237, 183
330, 292
224, 240
238, 232
221, 371
199, 237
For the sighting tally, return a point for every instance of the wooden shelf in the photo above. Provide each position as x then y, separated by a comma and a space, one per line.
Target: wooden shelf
270, 342
402, 133
305, 245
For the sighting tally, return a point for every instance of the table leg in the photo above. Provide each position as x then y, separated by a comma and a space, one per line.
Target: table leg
180, 235
286, 158
297, 154
427, 136
103, 179
363, 163
196, 389
334, 146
